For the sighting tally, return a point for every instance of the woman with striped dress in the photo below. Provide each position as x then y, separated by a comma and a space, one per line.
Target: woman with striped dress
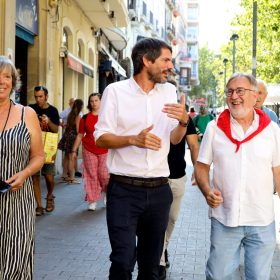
21, 155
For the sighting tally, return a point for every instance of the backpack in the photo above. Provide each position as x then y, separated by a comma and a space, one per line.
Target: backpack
85, 117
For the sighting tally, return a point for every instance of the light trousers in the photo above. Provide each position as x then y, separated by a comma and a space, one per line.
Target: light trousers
178, 187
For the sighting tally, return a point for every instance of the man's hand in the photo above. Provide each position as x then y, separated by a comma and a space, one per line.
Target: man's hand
45, 120
214, 198
145, 139
177, 111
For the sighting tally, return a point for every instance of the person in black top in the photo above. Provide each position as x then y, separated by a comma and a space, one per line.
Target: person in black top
177, 180
49, 121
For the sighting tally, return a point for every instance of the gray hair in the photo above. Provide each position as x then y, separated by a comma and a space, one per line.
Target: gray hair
6, 63
252, 80
263, 83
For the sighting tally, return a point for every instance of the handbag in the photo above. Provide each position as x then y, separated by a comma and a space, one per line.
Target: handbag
50, 141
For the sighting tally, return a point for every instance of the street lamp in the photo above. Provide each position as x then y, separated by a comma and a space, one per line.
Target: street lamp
233, 38
225, 61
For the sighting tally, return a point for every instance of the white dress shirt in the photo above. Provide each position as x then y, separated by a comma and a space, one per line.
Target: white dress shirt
127, 110
244, 178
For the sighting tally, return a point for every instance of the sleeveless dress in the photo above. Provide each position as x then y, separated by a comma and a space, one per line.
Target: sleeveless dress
17, 209
67, 140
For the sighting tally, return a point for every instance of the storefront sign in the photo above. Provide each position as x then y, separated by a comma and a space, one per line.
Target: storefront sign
26, 15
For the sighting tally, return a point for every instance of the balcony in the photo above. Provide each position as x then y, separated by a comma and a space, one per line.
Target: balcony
105, 13
171, 32
171, 4
192, 38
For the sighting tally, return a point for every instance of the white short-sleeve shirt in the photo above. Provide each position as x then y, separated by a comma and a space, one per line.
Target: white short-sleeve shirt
245, 177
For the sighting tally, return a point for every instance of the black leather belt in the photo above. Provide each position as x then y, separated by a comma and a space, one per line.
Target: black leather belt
140, 182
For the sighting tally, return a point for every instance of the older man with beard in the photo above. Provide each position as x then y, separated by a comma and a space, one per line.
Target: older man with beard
244, 147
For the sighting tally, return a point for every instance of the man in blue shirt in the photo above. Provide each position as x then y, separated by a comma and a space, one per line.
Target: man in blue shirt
261, 98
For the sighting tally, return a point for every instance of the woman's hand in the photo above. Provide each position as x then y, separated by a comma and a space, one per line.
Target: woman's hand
17, 180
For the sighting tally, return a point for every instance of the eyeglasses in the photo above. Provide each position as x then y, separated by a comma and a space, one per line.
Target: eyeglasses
240, 91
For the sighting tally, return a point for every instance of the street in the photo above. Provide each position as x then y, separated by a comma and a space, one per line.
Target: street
72, 243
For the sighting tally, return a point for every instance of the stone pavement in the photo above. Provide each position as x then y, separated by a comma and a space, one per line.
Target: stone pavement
72, 243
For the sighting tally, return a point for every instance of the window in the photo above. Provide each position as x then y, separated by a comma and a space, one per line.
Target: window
144, 10
151, 18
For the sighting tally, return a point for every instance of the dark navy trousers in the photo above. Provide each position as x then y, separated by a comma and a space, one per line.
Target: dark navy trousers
137, 218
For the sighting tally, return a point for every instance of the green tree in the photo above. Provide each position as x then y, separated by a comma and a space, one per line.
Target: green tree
207, 79
268, 39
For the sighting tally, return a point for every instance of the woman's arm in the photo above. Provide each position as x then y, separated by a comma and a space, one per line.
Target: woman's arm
76, 145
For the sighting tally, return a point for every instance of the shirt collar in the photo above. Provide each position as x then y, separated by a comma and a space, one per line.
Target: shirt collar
254, 124
138, 89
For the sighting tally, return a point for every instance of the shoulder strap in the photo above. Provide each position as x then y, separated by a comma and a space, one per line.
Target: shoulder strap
196, 119
22, 113
84, 118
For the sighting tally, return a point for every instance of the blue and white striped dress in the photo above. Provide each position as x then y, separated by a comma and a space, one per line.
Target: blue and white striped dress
17, 209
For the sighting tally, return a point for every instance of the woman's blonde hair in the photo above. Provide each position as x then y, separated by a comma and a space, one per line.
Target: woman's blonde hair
6, 63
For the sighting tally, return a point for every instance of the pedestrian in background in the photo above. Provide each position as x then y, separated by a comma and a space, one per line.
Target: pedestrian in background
192, 113
262, 89
21, 155
138, 119
65, 113
64, 116
49, 121
244, 147
67, 141
201, 121
177, 181
95, 172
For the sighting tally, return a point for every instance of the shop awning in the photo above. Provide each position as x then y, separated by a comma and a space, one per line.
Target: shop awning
79, 65
116, 37
115, 64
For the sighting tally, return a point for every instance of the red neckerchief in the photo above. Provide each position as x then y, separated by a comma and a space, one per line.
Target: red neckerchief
224, 124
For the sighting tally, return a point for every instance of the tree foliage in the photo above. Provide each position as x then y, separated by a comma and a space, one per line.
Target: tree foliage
206, 77
212, 70
268, 39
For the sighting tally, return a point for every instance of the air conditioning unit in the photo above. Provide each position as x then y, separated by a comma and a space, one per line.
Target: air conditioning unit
62, 51
96, 32
131, 13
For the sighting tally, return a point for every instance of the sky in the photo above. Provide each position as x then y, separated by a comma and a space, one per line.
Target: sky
214, 21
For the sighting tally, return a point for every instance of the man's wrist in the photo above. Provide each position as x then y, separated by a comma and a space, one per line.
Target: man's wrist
184, 124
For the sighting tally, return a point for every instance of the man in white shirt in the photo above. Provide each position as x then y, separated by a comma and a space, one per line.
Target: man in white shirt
244, 147
137, 120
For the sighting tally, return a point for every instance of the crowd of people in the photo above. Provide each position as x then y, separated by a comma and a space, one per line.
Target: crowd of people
135, 161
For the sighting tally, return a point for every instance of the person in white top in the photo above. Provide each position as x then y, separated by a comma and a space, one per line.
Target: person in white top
64, 114
138, 118
244, 147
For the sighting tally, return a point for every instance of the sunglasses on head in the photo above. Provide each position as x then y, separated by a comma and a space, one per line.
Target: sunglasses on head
38, 88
